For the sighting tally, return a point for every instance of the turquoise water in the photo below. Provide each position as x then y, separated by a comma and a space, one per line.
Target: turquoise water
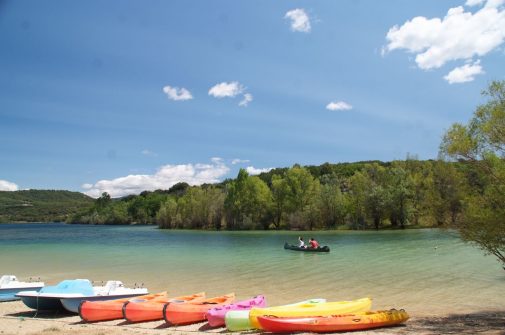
424, 271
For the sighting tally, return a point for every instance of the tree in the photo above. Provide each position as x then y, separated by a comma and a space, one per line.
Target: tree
248, 202
331, 201
481, 145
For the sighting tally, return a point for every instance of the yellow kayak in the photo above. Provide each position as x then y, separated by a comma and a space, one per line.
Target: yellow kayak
311, 309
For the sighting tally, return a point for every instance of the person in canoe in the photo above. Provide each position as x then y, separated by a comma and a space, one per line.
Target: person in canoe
301, 244
313, 243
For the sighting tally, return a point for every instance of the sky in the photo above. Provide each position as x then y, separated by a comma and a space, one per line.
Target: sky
125, 96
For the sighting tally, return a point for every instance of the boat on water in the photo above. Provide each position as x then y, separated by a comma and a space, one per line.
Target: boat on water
143, 310
10, 286
95, 311
193, 311
68, 294
312, 309
238, 320
334, 323
308, 249
215, 316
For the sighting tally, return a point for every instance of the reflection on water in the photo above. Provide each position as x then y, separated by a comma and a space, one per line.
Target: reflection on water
425, 271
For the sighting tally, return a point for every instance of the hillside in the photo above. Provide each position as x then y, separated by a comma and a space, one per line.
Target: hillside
41, 205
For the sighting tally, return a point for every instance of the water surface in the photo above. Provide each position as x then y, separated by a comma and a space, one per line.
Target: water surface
424, 271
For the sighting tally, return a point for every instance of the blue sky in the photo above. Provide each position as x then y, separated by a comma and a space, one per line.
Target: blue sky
85, 86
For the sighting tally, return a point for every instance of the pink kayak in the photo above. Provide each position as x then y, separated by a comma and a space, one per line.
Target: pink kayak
216, 315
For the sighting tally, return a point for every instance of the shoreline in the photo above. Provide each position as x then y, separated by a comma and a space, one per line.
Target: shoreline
15, 318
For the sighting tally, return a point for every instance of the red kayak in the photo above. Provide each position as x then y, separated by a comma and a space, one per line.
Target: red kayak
336, 323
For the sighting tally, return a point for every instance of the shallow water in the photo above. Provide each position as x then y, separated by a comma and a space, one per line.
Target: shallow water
424, 271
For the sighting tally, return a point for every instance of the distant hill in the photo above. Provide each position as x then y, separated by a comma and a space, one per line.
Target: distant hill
41, 205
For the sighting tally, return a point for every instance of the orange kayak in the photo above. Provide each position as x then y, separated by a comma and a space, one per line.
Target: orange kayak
194, 311
93, 311
152, 310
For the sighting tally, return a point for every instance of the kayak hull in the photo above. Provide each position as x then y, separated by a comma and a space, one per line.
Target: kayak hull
152, 310
239, 320
310, 310
195, 311
215, 316
96, 311
350, 322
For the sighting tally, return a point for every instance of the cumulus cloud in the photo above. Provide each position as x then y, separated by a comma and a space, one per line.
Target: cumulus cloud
8, 186
226, 90
460, 35
238, 161
165, 177
338, 106
177, 94
254, 171
299, 20
231, 90
464, 73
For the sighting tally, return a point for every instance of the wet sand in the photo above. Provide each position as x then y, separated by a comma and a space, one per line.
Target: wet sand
15, 318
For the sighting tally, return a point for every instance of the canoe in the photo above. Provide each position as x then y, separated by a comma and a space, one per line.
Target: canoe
152, 310
215, 316
10, 286
113, 289
239, 320
312, 309
94, 311
193, 311
335, 323
297, 248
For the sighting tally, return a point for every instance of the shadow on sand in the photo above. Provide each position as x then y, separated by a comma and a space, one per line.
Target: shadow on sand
485, 322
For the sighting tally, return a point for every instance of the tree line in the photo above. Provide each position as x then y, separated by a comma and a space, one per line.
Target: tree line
359, 195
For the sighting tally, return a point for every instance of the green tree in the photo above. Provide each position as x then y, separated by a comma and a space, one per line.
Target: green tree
248, 202
481, 144
332, 202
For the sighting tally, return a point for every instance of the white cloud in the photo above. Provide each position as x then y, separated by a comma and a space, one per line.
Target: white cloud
238, 161
177, 94
226, 90
254, 171
464, 73
164, 178
147, 152
299, 20
231, 90
471, 3
247, 99
459, 35
338, 105
8, 186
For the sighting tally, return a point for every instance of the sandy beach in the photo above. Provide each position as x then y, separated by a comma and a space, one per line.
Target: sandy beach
15, 318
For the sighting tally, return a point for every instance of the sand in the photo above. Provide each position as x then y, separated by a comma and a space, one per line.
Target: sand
16, 318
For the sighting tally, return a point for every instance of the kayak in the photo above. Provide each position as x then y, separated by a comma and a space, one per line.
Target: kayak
93, 311
239, 320
193, 311
215, 316
312, 309
152, 310
297, 248
349, 322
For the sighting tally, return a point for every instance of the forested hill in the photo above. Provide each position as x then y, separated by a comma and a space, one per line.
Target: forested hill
41, 205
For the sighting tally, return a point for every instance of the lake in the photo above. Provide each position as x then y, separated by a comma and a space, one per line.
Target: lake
426, 271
